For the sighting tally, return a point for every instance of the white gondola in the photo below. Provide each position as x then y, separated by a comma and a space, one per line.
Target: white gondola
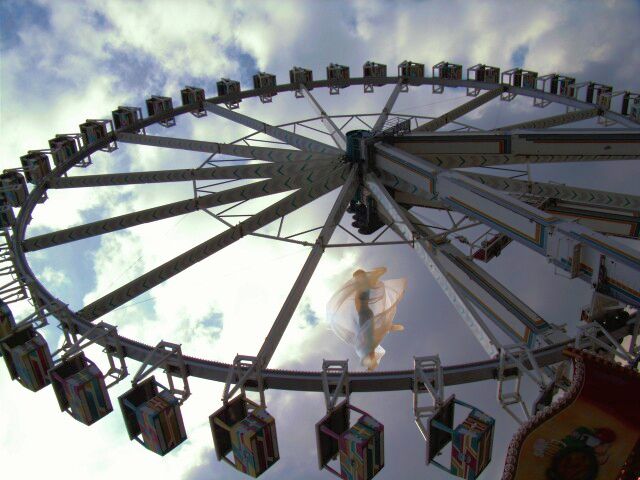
301, 76
337, 77
7, 322
446, 71
256, 449
194, 96
157, 105
63, 147
80, 389
599, 94
629, 99
94, 131
124, 117
266, 82
565, 85
481, 73
411, 73
7, 217
230, 89
36, 166
635, 109
372, 71
13, 189
152, 416
518, 77
27, 357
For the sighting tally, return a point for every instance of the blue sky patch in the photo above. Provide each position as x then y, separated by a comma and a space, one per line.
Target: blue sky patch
519, 55
18, 14
138, 73
310, 317
247, 63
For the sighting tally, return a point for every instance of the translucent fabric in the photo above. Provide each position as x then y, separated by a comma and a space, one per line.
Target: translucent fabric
361, 313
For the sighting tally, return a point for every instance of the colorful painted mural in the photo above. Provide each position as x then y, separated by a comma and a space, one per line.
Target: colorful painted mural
589, 434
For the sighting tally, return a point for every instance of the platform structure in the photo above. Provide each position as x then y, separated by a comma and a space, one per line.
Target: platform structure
390, 174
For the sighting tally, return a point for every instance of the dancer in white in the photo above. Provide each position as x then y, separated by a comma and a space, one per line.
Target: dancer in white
361, 313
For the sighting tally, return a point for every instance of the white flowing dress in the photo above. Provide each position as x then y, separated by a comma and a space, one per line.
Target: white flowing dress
382, 303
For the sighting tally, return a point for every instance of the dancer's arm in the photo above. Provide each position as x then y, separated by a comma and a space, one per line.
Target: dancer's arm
375, 274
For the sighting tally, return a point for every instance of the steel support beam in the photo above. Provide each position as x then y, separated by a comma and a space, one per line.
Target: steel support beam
378, 127
312, 189
261, 170
585, 196
552, 121
458, 112
128, 220
284, 316
293, 139
621, 218
553, 142
242, 151
424, 250
336, 134
473, 149
546, 234
609, 221
493, 299
482, 291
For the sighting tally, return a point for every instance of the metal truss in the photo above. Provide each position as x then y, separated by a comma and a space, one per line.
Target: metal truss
336, 134
255, 190
408, 231
428, 384
12, 286
551, 236
335, 382
167, 356
244, 374
113, 349
415, 166
458, 112
595, 338
362, 120
517, 360
284, 316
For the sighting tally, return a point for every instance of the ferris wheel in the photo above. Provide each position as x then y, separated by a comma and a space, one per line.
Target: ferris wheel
387, 167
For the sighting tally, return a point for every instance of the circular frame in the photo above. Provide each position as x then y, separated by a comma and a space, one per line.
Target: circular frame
277, 378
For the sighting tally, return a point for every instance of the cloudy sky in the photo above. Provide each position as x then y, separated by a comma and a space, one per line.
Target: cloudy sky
63, 62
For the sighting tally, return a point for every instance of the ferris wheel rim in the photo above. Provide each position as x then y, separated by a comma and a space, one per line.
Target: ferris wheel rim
277, 378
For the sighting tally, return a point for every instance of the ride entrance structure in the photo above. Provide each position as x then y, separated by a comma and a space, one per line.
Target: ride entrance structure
385, 174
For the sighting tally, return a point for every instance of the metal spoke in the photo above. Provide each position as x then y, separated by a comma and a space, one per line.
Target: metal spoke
462, 277
262, 170
244, 151
284, 316
604, 212
336, 134
312, 189
463, 150
364, 123
400, 223
100, 227
568, 245
458, 112
293, 139
553, 121
557, 191
388, 107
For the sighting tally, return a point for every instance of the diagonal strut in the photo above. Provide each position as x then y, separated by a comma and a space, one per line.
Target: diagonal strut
288, 308
293, 139
155, 277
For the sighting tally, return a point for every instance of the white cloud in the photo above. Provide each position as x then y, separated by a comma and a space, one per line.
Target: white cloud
57, 78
